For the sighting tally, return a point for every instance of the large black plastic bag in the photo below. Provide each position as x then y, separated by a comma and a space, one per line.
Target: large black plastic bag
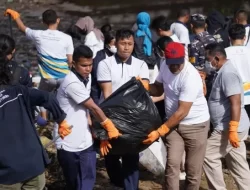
134, 114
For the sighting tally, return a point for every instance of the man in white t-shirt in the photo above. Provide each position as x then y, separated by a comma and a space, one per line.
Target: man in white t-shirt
112, 73
54, 49
188, 117
76, 154
241, 17
239, 55
180, 29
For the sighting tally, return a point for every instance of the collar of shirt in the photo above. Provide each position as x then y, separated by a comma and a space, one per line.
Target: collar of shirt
83, 80
181, 23
247, 25
109, 53
119, 61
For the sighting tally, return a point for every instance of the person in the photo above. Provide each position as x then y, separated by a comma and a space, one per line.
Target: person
76, 154
197, 48
179, 28
187, 113
108, 51
94, 37
106, 28
162, 27
241, 17
112, 73
78, 35
54, 48
144, 47
239, 56
216, 26
24, 160
230, 122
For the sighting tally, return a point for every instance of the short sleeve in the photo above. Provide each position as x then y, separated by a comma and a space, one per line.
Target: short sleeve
31, 34
144, 72
77, 92
184, 36
231, 84
103, 72
70, 47
190, 89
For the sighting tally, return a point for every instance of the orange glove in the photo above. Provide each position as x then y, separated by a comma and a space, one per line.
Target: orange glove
154, 135
233, 134
104, 147
12, 13
109, 126
144, 83
64, 129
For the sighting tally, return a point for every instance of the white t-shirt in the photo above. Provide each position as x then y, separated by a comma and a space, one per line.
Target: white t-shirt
181, 31
185, 86
71, 94
247, 40
240, 58
113, 70
93, 43
52, 47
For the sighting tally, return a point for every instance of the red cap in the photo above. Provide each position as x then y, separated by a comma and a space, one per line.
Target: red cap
174, 53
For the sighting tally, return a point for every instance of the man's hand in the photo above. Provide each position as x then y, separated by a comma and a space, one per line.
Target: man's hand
109, 126
154, 135
64, 129
12, 13
233, 134
104, 147
144, 83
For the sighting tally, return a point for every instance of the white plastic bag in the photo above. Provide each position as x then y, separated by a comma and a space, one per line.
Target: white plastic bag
154, 158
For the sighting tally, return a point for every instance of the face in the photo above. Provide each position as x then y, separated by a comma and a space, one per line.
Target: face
125, 47
213, 61
112, 43
83, 66
175, 68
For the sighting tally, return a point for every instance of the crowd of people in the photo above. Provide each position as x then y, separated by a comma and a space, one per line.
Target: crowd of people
198, 78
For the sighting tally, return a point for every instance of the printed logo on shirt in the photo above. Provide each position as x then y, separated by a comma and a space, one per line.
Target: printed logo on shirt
3, 97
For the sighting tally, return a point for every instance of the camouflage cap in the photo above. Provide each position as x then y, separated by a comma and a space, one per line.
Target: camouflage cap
198, 17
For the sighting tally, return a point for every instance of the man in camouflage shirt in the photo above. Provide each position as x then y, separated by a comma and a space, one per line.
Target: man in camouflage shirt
197, 48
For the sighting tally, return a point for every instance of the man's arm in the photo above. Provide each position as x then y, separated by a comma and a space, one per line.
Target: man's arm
106, 89
20, 25
235, 102
156, 89
70, 59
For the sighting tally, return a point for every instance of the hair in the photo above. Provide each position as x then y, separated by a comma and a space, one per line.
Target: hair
198, 23
82, 51
76, 32
163, 41
123, 33
7, 45
109, 36
237, 32
160, 22
106, 28
215, 49
183, 12
241, 15
49, 17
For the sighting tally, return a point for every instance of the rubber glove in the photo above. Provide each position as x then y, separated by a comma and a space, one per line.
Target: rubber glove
64, 129
144, 83
109, 126
154, 135
12, 13
104, 147
233, 134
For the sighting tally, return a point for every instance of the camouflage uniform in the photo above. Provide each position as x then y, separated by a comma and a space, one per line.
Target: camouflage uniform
197, 49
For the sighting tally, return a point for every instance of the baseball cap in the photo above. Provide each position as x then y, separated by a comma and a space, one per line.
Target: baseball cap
174, 53
198, 17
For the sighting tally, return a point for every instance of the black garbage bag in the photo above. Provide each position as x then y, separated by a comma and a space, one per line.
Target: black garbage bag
134, 114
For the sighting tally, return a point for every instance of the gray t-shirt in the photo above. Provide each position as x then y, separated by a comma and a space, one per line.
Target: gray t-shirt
227, 83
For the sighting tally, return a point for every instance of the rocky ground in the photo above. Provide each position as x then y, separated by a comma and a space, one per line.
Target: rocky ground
31, 11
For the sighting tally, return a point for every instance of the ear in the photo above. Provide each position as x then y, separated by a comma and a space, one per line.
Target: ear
244, 39
58, 20
205, 25
73, 64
